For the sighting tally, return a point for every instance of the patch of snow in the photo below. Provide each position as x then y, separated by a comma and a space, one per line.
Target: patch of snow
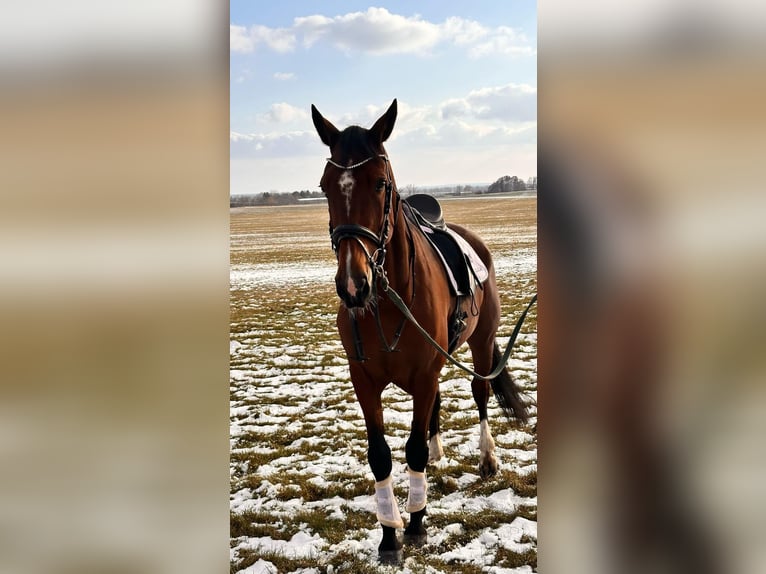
301, 545
278, 274
260, 567
481, 549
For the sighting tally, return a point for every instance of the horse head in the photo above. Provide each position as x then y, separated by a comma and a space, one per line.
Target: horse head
360, 190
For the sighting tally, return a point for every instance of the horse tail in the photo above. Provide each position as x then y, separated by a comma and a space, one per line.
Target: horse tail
506, 391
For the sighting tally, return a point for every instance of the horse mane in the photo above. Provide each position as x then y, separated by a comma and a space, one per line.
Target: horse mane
354, 144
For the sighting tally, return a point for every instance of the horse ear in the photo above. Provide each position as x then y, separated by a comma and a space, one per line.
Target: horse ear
328, 133
385, 124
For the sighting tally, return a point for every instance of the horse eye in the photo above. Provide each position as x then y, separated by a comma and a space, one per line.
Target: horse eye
380, 185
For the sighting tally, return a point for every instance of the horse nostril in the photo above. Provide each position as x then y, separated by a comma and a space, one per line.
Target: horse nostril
353, 292
358, 288
364, 288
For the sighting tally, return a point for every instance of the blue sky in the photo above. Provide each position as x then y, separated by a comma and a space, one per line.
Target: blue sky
464, 74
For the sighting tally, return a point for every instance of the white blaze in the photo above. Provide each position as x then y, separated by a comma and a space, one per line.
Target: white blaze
350, 287
346, 183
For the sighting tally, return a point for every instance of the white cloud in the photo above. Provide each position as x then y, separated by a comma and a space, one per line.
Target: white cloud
282, 112
506, 41
378, 31
463, 31
512, 102
284, 76
244, 40
455, 108
239, 40
274, 144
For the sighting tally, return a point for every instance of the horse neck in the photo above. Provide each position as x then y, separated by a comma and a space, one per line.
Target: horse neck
399, 254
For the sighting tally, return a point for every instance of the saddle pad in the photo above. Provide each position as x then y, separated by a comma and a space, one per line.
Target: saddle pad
464, 267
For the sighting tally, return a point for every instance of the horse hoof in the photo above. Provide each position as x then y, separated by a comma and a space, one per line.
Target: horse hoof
418, 539
391, 557
488, 468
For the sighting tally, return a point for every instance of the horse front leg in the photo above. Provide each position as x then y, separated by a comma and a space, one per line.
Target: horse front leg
435, 449
417, 452
379, 458
387, 507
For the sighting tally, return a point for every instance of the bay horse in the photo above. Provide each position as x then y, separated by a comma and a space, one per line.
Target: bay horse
378, 245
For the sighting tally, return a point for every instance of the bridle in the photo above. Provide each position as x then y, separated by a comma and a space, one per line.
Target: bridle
377, 258
357, 232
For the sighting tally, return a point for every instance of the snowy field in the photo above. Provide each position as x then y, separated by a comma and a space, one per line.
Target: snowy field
301, 488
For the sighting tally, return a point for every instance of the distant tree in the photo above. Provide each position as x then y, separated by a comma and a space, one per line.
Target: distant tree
507, 183
409, 189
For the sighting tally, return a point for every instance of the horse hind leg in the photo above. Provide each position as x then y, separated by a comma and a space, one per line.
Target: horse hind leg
483, 361
487, 460
486, 357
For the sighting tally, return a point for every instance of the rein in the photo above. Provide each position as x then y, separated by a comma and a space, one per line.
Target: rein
397, 301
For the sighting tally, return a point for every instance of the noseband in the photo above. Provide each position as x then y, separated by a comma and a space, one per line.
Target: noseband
356, 232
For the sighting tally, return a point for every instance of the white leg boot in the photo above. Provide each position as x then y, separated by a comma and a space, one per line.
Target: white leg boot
418, 488
388, 509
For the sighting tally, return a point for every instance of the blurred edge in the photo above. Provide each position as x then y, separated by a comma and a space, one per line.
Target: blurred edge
652, 266
114, 287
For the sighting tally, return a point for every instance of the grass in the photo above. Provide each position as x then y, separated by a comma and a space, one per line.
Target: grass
298, 439
521, 484
510, 559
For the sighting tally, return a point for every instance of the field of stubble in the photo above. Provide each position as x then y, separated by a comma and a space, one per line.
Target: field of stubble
301, 489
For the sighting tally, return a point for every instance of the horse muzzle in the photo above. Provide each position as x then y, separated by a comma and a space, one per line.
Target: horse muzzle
355, 292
